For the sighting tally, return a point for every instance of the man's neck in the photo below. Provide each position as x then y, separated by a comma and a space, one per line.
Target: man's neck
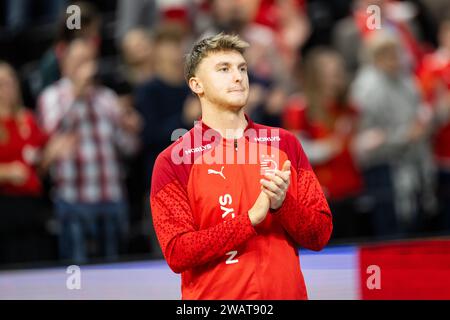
230, 124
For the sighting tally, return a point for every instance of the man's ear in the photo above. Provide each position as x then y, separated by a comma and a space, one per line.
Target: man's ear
195, 85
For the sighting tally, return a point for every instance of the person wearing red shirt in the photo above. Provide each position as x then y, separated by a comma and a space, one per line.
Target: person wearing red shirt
20, 188
232, 199
25, 154
434, 77
325, 121
20, 139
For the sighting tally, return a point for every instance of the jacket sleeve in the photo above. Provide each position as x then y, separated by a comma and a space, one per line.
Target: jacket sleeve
183, 245
305, 213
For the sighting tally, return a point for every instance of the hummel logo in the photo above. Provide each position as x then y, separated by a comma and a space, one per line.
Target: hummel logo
220, 173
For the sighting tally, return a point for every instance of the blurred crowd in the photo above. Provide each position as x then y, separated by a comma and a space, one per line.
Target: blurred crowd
85, 112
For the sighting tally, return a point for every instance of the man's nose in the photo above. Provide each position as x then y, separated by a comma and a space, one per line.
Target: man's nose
237, 75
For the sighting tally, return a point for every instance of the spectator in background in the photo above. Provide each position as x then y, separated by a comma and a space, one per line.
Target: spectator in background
292, 30
20, 138
164, 101
392, 148
137, 53
395, 17
20, 187
134, 14
325, 121
435, 81
165, 104
89, 199
49, 67
25, 151
137, 67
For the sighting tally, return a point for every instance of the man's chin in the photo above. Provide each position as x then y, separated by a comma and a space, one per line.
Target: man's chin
237, 104
231, 104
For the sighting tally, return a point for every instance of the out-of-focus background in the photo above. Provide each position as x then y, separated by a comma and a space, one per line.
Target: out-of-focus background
91, 91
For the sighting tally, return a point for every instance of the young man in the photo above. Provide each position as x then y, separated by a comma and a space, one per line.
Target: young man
213, 189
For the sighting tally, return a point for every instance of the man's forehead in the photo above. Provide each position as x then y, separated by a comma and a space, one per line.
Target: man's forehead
232, 57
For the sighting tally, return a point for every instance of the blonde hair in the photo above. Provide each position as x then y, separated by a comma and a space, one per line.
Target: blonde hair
217, 43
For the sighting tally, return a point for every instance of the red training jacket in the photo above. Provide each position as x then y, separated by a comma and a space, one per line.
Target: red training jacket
202, 188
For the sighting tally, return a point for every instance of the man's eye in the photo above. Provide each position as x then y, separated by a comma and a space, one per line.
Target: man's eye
223, 69
244, 69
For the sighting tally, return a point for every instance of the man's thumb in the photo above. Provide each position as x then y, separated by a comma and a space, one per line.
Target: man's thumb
286, 166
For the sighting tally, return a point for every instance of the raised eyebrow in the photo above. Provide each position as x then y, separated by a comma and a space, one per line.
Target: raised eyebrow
242, 64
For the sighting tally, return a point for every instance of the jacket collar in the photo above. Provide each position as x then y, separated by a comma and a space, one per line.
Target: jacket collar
204, 127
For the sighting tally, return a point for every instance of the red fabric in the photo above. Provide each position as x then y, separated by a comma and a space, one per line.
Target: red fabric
339, 176
177, 14
12, 149
268, 12
202, 223
416, 270
435, 72
441, 143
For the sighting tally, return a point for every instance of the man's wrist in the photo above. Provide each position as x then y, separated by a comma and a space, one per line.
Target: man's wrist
253, 220
279, 205
275, 211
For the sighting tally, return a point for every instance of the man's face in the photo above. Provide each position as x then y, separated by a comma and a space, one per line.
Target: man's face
8, 87
389, 61
137, 48
78, 54
169, 53
332, 74
222, 79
